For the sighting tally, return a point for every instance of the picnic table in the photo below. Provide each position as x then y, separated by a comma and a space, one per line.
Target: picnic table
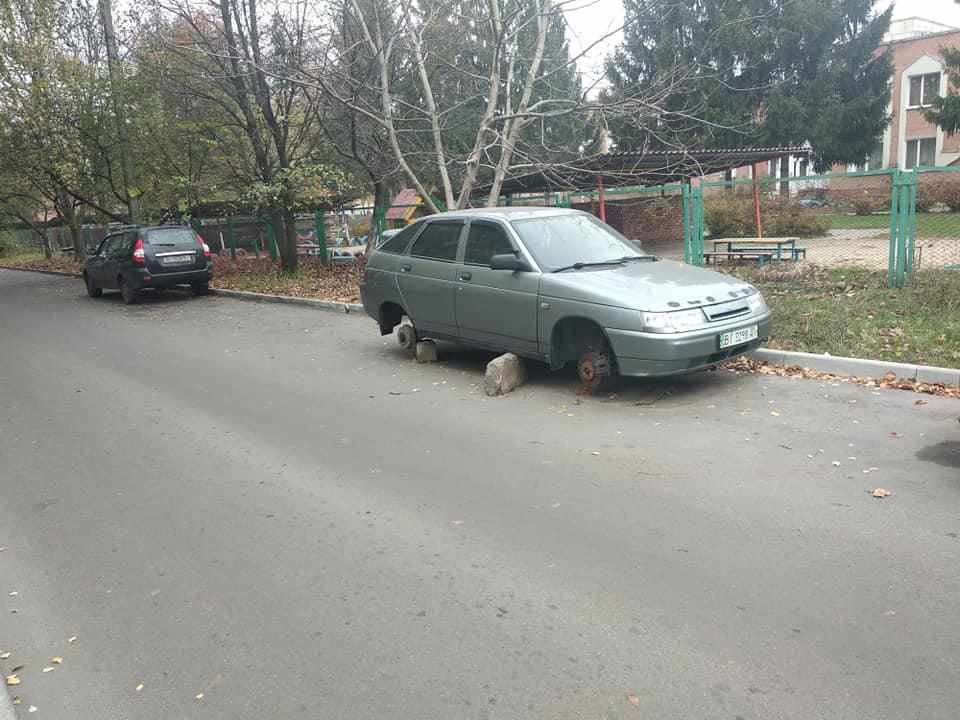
754, 248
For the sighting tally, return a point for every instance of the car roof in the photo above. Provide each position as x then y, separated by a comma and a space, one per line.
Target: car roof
503, 213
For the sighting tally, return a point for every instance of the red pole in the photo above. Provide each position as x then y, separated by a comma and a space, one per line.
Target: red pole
756, 200
603, 204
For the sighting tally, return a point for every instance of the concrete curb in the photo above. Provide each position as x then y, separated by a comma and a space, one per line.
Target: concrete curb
858, 367
286, 300
6, 706
42, 272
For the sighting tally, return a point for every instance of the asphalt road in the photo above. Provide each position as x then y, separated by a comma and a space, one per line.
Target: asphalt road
274, 507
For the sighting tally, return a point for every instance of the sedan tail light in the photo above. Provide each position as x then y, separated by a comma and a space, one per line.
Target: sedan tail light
139, 258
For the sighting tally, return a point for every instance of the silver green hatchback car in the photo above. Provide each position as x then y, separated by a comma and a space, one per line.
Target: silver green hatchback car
559, 286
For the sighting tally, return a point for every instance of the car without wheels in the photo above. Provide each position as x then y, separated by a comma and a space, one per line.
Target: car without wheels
135, 259
559, 286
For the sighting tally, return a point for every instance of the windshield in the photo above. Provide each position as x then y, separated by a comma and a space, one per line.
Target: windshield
558, 241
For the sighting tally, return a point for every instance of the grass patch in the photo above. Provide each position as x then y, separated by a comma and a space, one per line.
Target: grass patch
852, 312
34, 260
340, 283
929, 224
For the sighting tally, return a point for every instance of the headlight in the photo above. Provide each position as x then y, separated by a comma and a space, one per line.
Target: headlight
756, 303
673, 322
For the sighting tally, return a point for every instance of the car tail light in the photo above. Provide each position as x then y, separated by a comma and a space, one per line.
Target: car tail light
139, 257
206, 248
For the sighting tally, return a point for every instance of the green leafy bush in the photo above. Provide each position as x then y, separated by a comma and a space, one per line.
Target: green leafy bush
733, 216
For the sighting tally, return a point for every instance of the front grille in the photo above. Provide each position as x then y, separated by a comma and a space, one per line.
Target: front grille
727, 310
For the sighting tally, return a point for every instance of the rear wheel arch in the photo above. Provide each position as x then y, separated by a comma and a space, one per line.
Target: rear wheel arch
390, 315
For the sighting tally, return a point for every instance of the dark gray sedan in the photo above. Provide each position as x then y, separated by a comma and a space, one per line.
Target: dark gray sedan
562, 287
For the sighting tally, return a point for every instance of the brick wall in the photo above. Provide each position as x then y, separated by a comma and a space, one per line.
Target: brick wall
905, 54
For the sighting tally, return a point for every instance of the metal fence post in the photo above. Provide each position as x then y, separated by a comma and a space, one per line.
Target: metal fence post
271, 240
903, 222
685, 211
912, 219
696, 207
379, 225
320, 232
894, 226
232, 238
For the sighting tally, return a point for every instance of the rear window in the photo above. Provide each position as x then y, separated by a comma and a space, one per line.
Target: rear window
175, 237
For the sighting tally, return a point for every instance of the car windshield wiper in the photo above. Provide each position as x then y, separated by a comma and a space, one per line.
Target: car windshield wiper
646, 258
583, 264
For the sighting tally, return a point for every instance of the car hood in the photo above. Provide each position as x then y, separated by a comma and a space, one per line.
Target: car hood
659, 286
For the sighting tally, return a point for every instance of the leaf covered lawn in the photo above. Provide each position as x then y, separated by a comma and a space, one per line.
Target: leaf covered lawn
340, 283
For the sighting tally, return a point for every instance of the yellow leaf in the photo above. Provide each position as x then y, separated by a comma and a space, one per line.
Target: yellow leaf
199, 696
4, 656
139, 687
12, 680
57, 660
49, 668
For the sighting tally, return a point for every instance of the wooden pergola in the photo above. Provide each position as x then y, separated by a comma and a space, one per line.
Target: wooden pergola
648, 168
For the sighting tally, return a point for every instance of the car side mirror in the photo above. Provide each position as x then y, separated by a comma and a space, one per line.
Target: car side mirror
509, 261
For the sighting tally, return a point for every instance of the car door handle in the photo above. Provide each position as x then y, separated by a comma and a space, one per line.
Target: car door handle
465, 276
405, 268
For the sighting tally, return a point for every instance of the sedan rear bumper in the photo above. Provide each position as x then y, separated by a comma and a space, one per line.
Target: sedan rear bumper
643, 354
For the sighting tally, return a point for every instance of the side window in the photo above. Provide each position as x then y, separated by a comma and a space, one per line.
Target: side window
485, 241
398, 243
438, 241
110, 245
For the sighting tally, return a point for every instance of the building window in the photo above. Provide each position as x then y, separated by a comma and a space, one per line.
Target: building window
923, 89
921, 152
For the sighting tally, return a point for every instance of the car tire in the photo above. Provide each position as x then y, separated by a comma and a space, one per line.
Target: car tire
200, 288
407, 337
92, 290
596, 369
128, 294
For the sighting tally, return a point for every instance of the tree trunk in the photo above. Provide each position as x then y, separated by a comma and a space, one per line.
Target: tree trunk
285, 225
381, 201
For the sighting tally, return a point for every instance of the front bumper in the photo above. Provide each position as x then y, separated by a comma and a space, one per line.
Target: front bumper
642, 354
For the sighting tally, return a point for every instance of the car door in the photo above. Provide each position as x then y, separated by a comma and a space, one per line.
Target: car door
118, 254
108, 275
496, 308
96, 262
426, 278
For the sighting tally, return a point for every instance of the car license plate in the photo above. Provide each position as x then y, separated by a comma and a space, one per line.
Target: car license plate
177, 260
738, 337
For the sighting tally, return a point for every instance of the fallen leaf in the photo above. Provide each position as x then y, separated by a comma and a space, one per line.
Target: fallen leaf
890, 376
594, 453
921, 401
13, 593
139, 687
775, 413
4, 656
198, 696
881, 493
17, 669
17, 700
836, 463
72, 639
56, 660
49, 668
633, 699
12, 680
32, 709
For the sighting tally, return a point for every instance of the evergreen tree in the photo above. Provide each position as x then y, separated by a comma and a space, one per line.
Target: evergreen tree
757, 72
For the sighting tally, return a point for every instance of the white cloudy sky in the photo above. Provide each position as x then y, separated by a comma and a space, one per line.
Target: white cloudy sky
590, 20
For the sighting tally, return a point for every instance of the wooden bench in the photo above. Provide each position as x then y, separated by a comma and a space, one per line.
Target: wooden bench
760, 256
791, 253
